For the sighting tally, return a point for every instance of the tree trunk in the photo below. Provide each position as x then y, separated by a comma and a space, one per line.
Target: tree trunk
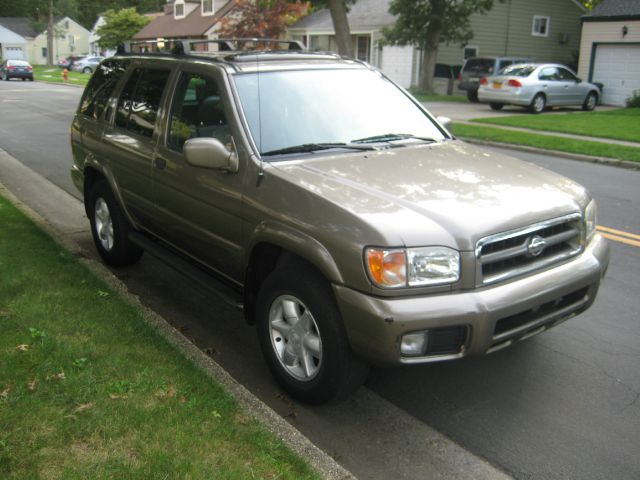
50, 35
428, 63
341, 26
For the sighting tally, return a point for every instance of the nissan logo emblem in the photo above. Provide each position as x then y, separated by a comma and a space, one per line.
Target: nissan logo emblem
535, 245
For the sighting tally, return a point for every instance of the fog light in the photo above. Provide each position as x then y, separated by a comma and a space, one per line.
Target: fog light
413, 343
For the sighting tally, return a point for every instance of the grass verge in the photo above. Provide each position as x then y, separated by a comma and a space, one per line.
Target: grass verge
428, 97
54, 74
622, 124
548, 142
89, 390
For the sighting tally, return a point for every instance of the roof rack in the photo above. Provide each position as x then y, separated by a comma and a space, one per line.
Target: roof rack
194, 47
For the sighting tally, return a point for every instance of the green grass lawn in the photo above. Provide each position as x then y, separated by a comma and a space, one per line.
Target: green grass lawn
622, 124
89, 390
547, 142
427, 97
54, 74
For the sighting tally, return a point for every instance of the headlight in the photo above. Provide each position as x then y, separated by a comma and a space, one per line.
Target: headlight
590, 219
412, 267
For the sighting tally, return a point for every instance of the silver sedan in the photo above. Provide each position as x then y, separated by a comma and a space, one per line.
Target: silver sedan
537, 86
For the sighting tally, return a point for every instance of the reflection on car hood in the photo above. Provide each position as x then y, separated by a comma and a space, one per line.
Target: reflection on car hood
450, 193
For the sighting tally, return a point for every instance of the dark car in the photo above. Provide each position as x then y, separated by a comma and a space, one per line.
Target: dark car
477, 67
16, 69
69, 61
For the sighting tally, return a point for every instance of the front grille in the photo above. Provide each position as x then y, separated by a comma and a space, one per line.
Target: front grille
524, 250
446, 340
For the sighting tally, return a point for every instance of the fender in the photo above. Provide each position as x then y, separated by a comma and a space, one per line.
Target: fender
298, 243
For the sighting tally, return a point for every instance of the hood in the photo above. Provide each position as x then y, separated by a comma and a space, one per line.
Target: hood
449, 193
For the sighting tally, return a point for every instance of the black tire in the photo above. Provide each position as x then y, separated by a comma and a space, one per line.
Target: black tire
590, 101
113, 243
334, 371
472, 95
538, 104
496, 106
86, 70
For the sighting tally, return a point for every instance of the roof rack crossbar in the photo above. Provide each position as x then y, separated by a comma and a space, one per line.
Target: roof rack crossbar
184, 46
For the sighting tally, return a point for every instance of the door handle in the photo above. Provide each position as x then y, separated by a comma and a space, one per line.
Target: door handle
160, 163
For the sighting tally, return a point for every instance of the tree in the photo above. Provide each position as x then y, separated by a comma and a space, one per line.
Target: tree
427, 23
120, 26
262, 18
339, 10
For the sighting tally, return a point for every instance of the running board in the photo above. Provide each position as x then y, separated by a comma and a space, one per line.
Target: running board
208, 282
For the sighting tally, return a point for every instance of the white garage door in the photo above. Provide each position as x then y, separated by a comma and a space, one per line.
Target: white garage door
397, 64
617, 67
13, 53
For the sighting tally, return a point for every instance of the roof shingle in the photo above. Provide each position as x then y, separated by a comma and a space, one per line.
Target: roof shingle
615, 9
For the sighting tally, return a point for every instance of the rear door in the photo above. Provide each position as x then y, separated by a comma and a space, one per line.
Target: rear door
131, 136
200, 208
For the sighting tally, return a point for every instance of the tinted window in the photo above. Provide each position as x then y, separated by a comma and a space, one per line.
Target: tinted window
566, 74
140, 99
197, 111
479, 65
96, 95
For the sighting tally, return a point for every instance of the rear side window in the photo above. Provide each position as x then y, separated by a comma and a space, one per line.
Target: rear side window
100, 87
140, 99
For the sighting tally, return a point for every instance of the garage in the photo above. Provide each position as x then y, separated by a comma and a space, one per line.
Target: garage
13, 53
617, 67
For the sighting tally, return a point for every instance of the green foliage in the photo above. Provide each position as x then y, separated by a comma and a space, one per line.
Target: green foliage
418, 21
634, 101
120, 26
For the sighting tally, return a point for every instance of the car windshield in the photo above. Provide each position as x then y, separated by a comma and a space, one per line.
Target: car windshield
518, 70
17, 63
348, 107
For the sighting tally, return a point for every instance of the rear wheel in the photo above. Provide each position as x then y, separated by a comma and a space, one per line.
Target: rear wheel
538, 103
302, 337
590, 101
496, 106
109, 227
86, 70
472, 95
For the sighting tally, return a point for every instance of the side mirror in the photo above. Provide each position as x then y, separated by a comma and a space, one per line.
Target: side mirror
578, 80
207, 152
446, 122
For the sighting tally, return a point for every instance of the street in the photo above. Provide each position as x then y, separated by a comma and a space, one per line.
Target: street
564, 404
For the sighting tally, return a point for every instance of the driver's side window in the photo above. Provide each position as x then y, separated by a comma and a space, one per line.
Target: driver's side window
197, 111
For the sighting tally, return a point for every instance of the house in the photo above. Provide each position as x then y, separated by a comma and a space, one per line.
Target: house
12, 45
187, 19
610, 49
70, 38
544, 30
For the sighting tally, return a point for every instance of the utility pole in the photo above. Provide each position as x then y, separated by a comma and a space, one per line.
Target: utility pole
50, 35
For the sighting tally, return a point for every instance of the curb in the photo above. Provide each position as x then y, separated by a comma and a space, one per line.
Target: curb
571, 156
319, 460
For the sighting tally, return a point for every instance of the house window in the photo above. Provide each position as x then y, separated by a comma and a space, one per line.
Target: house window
207, 7
540, 27
469, 52
178, 9
44, 52
72, 40
362, 48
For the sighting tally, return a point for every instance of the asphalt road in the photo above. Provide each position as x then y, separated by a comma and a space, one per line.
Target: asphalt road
564, 404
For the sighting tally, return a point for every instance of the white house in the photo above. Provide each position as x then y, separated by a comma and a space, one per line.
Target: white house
610, 49
12, 45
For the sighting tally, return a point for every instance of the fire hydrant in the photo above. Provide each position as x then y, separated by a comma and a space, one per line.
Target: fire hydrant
65, 74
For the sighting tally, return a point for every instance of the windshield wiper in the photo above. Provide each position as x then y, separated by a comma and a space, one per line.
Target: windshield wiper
315, 147
392, 137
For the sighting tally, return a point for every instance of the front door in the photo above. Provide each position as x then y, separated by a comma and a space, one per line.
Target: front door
200, 208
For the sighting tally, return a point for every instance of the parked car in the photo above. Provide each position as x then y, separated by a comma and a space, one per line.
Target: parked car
16, 69
537, 86
86, 64
349, 232
69, 61
477, 67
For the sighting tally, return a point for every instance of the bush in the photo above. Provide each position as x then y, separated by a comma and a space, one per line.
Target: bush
634, 101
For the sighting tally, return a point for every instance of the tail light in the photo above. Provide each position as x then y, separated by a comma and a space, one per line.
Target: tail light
29, 68
514, 83
483, 81
11, 69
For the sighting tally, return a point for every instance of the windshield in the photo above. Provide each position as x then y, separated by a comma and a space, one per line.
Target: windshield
17, 63
518, 70
315, 107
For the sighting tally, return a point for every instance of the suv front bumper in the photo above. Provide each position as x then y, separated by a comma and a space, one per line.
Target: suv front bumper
521, 308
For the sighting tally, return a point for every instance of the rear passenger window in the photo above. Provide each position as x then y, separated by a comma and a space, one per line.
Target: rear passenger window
140, 99
100, 87
197, 111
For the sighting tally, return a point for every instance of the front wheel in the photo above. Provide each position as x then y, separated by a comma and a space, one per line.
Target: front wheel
538, 103
590, 102
302, 337
109, 227
496, 106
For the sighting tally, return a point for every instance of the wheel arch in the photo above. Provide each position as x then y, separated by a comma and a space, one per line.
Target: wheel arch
94, 172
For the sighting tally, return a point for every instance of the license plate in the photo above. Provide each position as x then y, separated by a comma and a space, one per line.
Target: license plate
497, 85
